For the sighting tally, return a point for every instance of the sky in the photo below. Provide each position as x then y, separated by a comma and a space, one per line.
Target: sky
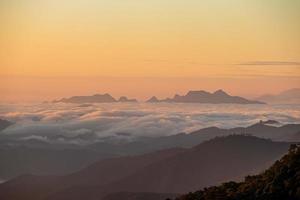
56, 48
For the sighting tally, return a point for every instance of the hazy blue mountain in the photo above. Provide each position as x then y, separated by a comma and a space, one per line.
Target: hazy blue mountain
201, 96
264, 129
169, 171
291, 96
99, 173
15, 161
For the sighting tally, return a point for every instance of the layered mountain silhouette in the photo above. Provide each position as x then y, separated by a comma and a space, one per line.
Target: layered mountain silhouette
263, 129
201, 96
168, 171
4, 124
280, 182
43, 158
291, 96
97, 98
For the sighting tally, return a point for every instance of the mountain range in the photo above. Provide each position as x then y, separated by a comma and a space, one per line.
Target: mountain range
291, 96
97, 98
201, 96
42, 158
176, 170
262, 129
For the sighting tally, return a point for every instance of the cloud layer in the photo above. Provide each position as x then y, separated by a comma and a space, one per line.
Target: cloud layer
271, 63
96, 122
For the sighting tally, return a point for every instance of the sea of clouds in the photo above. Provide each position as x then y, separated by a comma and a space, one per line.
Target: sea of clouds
88, 123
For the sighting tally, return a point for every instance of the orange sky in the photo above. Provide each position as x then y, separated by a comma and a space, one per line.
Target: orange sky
52, 48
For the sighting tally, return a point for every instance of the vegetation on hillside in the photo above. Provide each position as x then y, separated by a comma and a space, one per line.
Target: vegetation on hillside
280, 182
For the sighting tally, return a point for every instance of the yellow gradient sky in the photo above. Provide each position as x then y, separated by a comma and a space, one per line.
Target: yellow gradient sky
55, 48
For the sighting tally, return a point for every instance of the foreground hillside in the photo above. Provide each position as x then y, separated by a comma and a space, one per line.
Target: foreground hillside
280, 182
169, 171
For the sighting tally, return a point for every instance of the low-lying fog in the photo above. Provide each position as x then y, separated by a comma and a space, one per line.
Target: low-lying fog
88, 123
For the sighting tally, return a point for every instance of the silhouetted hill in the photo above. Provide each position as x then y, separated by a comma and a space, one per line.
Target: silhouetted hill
153, 100
280, 182
270, 122
211, 162
97, 98
201, 96
291, 96
125, 99
4, 124
172, 171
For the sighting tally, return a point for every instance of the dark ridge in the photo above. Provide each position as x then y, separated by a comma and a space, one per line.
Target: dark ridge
280, 182
4, 124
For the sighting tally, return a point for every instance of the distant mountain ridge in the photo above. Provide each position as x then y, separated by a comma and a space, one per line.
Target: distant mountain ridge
287, 132
125, 99
40, 156
291, 96
202, 96
97, 98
